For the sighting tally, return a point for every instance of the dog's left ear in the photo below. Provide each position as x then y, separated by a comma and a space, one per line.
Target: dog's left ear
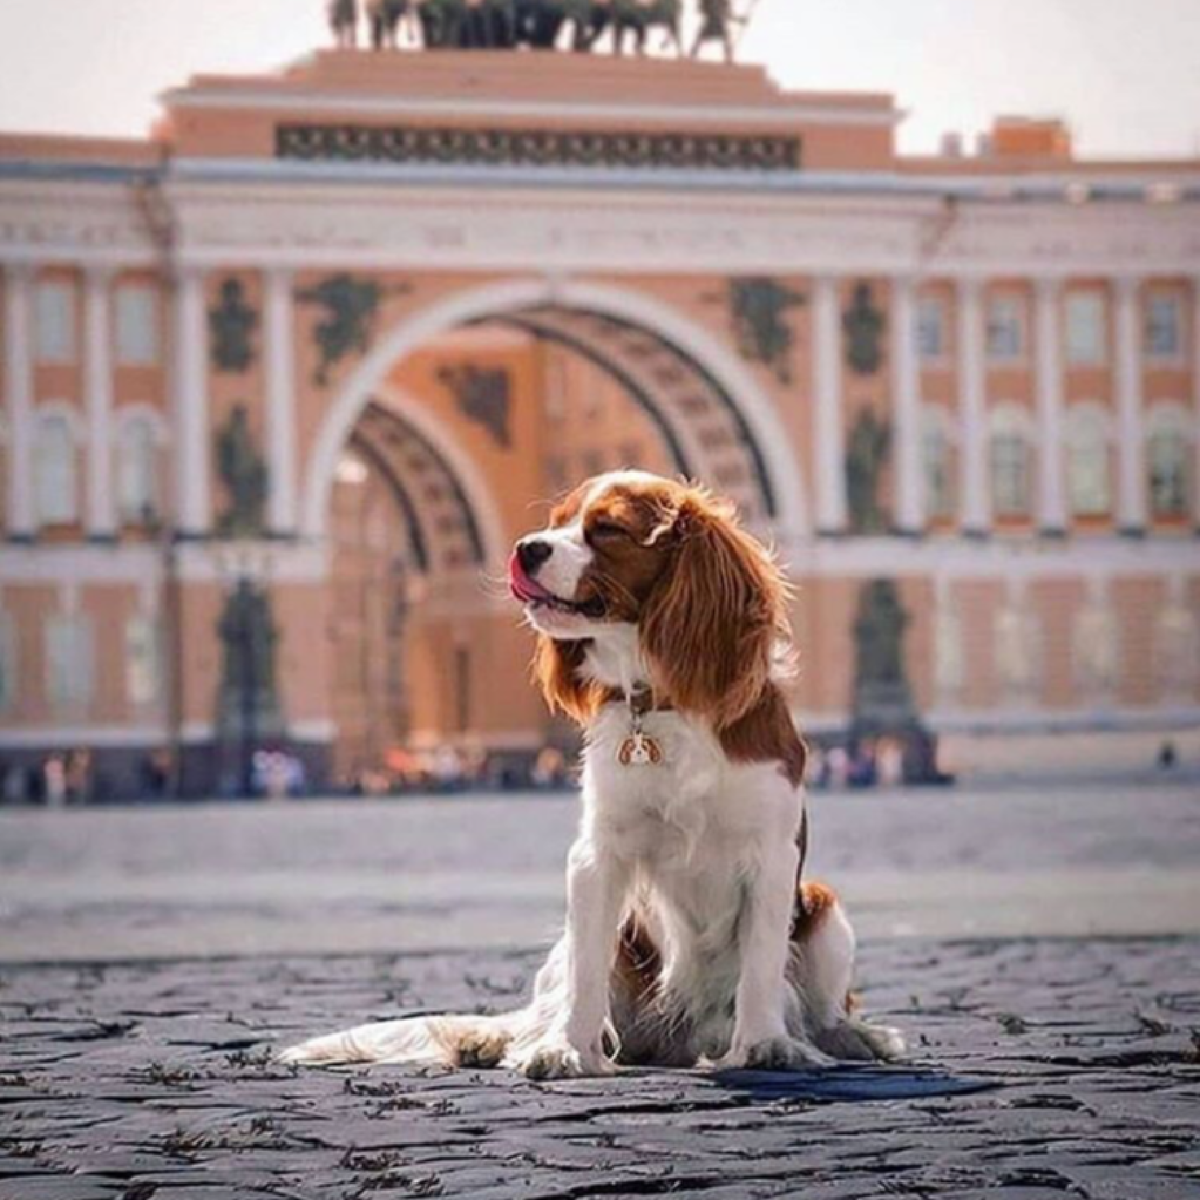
710, 627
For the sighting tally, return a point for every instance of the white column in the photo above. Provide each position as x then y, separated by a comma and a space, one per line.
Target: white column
1131, 470
906, 385
1052, 508
18, 388
281, 403
1196, 400
98, 390
975, 497
191, 434
827, 394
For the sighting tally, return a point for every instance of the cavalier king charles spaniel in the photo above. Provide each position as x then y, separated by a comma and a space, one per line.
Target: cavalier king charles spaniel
690, 938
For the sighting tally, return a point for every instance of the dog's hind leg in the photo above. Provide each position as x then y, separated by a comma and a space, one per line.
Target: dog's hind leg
822, 971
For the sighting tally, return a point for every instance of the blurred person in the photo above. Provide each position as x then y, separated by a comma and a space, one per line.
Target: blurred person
889, 762
838, 768
549, 768
79, 776
54, 781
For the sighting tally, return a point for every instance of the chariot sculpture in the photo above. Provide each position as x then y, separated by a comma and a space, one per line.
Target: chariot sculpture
630, 26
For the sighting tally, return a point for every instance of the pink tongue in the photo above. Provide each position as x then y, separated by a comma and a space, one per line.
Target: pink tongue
522, 587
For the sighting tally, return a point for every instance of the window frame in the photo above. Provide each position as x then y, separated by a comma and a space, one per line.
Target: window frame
1088, 419
936, 304
127, 351
1020, 313
60, 414
1175, 356
1100, 355
132, 418
55, 347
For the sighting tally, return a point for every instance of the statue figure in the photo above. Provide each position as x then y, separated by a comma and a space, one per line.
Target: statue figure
248, 697
866, 456
384, 17
864, 325
483, 395
639, 17
347, 324
759, 307
343, 21
231, 326
716, 25
882, 695
589, 19
244, 475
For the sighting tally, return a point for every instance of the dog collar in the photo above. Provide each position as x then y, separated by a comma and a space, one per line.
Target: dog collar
639, 702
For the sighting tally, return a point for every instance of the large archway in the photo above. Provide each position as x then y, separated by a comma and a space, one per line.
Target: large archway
707, 403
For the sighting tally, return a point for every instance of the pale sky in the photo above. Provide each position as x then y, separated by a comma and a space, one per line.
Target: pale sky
1125, 73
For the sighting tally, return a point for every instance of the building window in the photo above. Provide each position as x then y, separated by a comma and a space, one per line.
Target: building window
143, 673
1089, 486
138, 336
1005, 329
1011, 454
137, 472
931, 329
1167, 455
937, 463
8, 661
54, 468
69, 665
1164, 326
54, 319
1086, 329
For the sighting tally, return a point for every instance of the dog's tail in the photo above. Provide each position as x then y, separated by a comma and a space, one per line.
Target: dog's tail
452, 1041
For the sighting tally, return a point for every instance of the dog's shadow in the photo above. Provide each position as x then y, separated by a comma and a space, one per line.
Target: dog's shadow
848, 1084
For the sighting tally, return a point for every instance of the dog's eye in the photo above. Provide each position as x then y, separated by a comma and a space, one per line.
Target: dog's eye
608, 529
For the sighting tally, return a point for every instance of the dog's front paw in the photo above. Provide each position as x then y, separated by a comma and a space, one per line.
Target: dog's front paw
780, 1053
556, 1058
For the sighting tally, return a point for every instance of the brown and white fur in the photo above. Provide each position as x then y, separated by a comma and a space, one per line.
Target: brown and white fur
689, 937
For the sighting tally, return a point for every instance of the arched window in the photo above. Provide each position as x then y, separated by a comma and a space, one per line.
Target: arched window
138, 500
937, 462
54, 468
1011, 455
1089, 484
1167, 454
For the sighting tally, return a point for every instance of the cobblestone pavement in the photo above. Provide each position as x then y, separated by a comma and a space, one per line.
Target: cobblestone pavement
180, 948
1047, 1069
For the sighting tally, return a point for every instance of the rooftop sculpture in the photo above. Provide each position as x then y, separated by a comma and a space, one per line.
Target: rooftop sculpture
580, 25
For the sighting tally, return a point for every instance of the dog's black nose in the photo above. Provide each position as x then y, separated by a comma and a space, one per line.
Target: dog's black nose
531, 554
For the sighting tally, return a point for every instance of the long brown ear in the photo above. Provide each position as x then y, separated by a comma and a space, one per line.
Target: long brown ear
556, 669
710, 627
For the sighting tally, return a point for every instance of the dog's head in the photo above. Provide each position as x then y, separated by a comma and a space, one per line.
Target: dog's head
669, 559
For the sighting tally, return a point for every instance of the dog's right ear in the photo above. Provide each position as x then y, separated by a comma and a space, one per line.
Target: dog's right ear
556, 668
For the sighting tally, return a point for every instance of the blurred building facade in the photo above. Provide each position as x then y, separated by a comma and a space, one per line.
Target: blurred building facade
282, 382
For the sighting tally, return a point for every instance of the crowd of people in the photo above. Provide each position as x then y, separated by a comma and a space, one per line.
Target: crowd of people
449, 768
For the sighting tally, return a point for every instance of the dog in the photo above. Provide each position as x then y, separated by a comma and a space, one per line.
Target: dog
690, 938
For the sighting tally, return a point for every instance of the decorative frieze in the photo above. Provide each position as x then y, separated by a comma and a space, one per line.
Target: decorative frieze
501, 146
